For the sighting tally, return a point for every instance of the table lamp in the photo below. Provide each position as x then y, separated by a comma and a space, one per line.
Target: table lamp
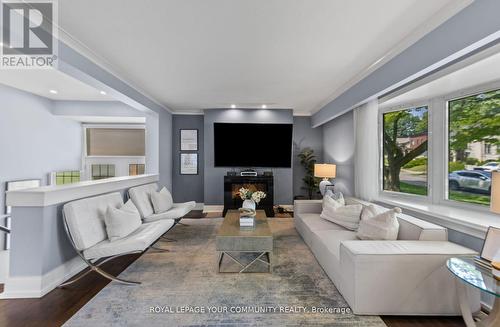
325, 171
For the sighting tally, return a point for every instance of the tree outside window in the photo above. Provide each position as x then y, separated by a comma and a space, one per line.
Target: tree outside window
405, 150
474, 146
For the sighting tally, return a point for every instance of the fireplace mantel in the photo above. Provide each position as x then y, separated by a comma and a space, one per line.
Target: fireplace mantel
262, 183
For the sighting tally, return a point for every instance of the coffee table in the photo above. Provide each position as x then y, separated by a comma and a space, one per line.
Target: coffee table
466, 272
233, 239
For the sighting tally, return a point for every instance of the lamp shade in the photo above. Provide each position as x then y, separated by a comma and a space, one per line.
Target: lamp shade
325, 170
495, 192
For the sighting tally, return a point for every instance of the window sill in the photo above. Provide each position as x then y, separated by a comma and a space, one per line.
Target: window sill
468, 221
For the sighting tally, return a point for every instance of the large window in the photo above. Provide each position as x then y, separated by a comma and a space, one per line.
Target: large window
474, 146
405, 151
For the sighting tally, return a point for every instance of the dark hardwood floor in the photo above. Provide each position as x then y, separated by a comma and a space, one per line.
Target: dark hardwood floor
59, 305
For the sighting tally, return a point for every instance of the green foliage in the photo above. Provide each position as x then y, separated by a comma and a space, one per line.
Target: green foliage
455, 165
473, 119
307, 160
471, 161
420, 161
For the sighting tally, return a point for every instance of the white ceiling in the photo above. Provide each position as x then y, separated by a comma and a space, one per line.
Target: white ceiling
195, 54
41, 81
479, 73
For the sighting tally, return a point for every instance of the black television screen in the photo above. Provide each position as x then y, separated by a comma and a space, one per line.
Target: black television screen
253, 145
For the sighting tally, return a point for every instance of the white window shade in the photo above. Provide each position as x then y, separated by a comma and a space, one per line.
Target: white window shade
115, 142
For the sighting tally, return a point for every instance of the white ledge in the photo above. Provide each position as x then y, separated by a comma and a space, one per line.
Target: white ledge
50, 195
468, 221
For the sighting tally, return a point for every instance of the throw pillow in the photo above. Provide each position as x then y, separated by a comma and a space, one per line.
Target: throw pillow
162, 201
344, 215
337, 196
121, 222
384, 226
370, 211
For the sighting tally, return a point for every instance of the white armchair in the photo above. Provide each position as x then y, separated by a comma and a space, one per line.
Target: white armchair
141, 196
86, 230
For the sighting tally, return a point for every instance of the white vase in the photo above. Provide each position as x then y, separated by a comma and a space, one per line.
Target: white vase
249, 204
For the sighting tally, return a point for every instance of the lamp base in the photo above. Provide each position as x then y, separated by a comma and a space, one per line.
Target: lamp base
323, 185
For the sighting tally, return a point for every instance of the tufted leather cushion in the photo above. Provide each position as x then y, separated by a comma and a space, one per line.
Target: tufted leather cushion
85, 218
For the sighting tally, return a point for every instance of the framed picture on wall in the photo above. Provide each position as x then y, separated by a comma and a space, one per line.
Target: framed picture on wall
189, 140
189, 164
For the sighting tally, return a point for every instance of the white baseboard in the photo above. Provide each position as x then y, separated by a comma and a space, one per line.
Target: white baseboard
38, 286
4, 266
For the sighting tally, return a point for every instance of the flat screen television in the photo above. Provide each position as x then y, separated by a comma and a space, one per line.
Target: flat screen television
253, 145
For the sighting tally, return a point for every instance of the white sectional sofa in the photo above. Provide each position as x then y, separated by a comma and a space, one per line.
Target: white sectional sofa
403, 277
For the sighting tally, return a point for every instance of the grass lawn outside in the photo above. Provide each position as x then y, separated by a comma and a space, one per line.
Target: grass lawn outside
461, 196
470, 197
412, 189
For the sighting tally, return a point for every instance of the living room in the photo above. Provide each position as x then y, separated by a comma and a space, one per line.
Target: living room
297, 163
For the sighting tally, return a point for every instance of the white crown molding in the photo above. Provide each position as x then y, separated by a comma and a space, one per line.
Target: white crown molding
437, 19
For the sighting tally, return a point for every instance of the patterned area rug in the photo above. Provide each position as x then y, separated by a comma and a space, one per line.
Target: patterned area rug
182, 287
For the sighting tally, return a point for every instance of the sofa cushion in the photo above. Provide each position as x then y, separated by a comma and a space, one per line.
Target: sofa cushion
162, 201
85, 218
384, 226
332, 239
138, 241
314, 222
344, 215
141, 196
177, 211
120, 222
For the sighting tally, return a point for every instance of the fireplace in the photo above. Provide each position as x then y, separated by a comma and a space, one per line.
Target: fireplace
232, 184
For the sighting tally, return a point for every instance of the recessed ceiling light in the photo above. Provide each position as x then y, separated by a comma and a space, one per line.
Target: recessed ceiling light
233, 106
264, 106
53, 91
103, 93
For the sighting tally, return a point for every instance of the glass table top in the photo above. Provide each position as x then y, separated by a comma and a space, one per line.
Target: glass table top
465, 269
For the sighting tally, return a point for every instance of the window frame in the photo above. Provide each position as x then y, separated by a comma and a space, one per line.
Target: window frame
437, 150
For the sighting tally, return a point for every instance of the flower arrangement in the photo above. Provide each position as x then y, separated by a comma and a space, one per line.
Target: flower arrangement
246, 194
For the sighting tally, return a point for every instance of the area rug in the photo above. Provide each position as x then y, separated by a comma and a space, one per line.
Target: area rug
183, 288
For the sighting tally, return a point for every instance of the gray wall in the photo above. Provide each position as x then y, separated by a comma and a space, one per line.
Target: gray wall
187, 187
214, 177
475, 22
338, 148
33, 142
304, 136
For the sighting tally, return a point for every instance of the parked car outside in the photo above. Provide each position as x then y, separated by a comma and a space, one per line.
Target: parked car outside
490, 166
470, 179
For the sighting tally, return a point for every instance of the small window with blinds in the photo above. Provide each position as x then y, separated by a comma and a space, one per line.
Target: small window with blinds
115, 142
